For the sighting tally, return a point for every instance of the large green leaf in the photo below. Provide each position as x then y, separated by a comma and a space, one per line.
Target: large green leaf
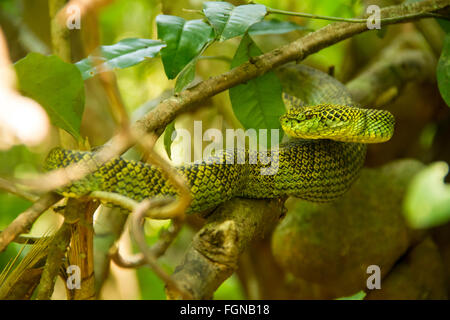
123, 54
229, 21
274, 26
443, 70
427, 201
258, 103
57, 86
185, 41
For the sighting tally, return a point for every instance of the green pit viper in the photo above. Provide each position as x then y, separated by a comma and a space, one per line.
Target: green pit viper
318, 165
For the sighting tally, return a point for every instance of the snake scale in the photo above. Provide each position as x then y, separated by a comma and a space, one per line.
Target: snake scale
318, 165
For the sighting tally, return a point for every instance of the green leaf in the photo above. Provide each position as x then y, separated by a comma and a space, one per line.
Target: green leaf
427, 201
170, 129
443, 70
445, 25
11, 207
258, 103
57, 86
186, 76
357, 296
274, 26
123, 54
229, 21
185, 41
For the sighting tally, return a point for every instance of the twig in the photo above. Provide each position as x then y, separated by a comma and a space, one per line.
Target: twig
56, 252
170, 210
159, 209
26, 239
358, 20
158, 249
200, 12
175, 209
26, 219
11, 188
137, 217
64, 176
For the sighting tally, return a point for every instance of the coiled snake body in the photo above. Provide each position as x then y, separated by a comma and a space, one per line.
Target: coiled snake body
311, 167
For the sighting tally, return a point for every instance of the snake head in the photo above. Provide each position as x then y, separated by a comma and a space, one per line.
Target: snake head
318, 122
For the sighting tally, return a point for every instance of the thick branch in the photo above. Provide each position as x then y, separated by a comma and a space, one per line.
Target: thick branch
216, 248
158, 118
397, 65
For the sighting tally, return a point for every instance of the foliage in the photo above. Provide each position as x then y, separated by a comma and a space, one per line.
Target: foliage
427, 203
184, 39
241, 32
258, 103
57, 86
125, 53
229, 21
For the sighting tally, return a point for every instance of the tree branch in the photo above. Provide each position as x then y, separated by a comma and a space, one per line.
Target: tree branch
11, 188
354, 20
403, 61
157, 119
137, 230
56, 252
214, 252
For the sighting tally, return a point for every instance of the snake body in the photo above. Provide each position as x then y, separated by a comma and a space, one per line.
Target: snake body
312, 167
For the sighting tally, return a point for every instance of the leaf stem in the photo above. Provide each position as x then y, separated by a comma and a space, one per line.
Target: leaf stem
193, 11
357, 20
